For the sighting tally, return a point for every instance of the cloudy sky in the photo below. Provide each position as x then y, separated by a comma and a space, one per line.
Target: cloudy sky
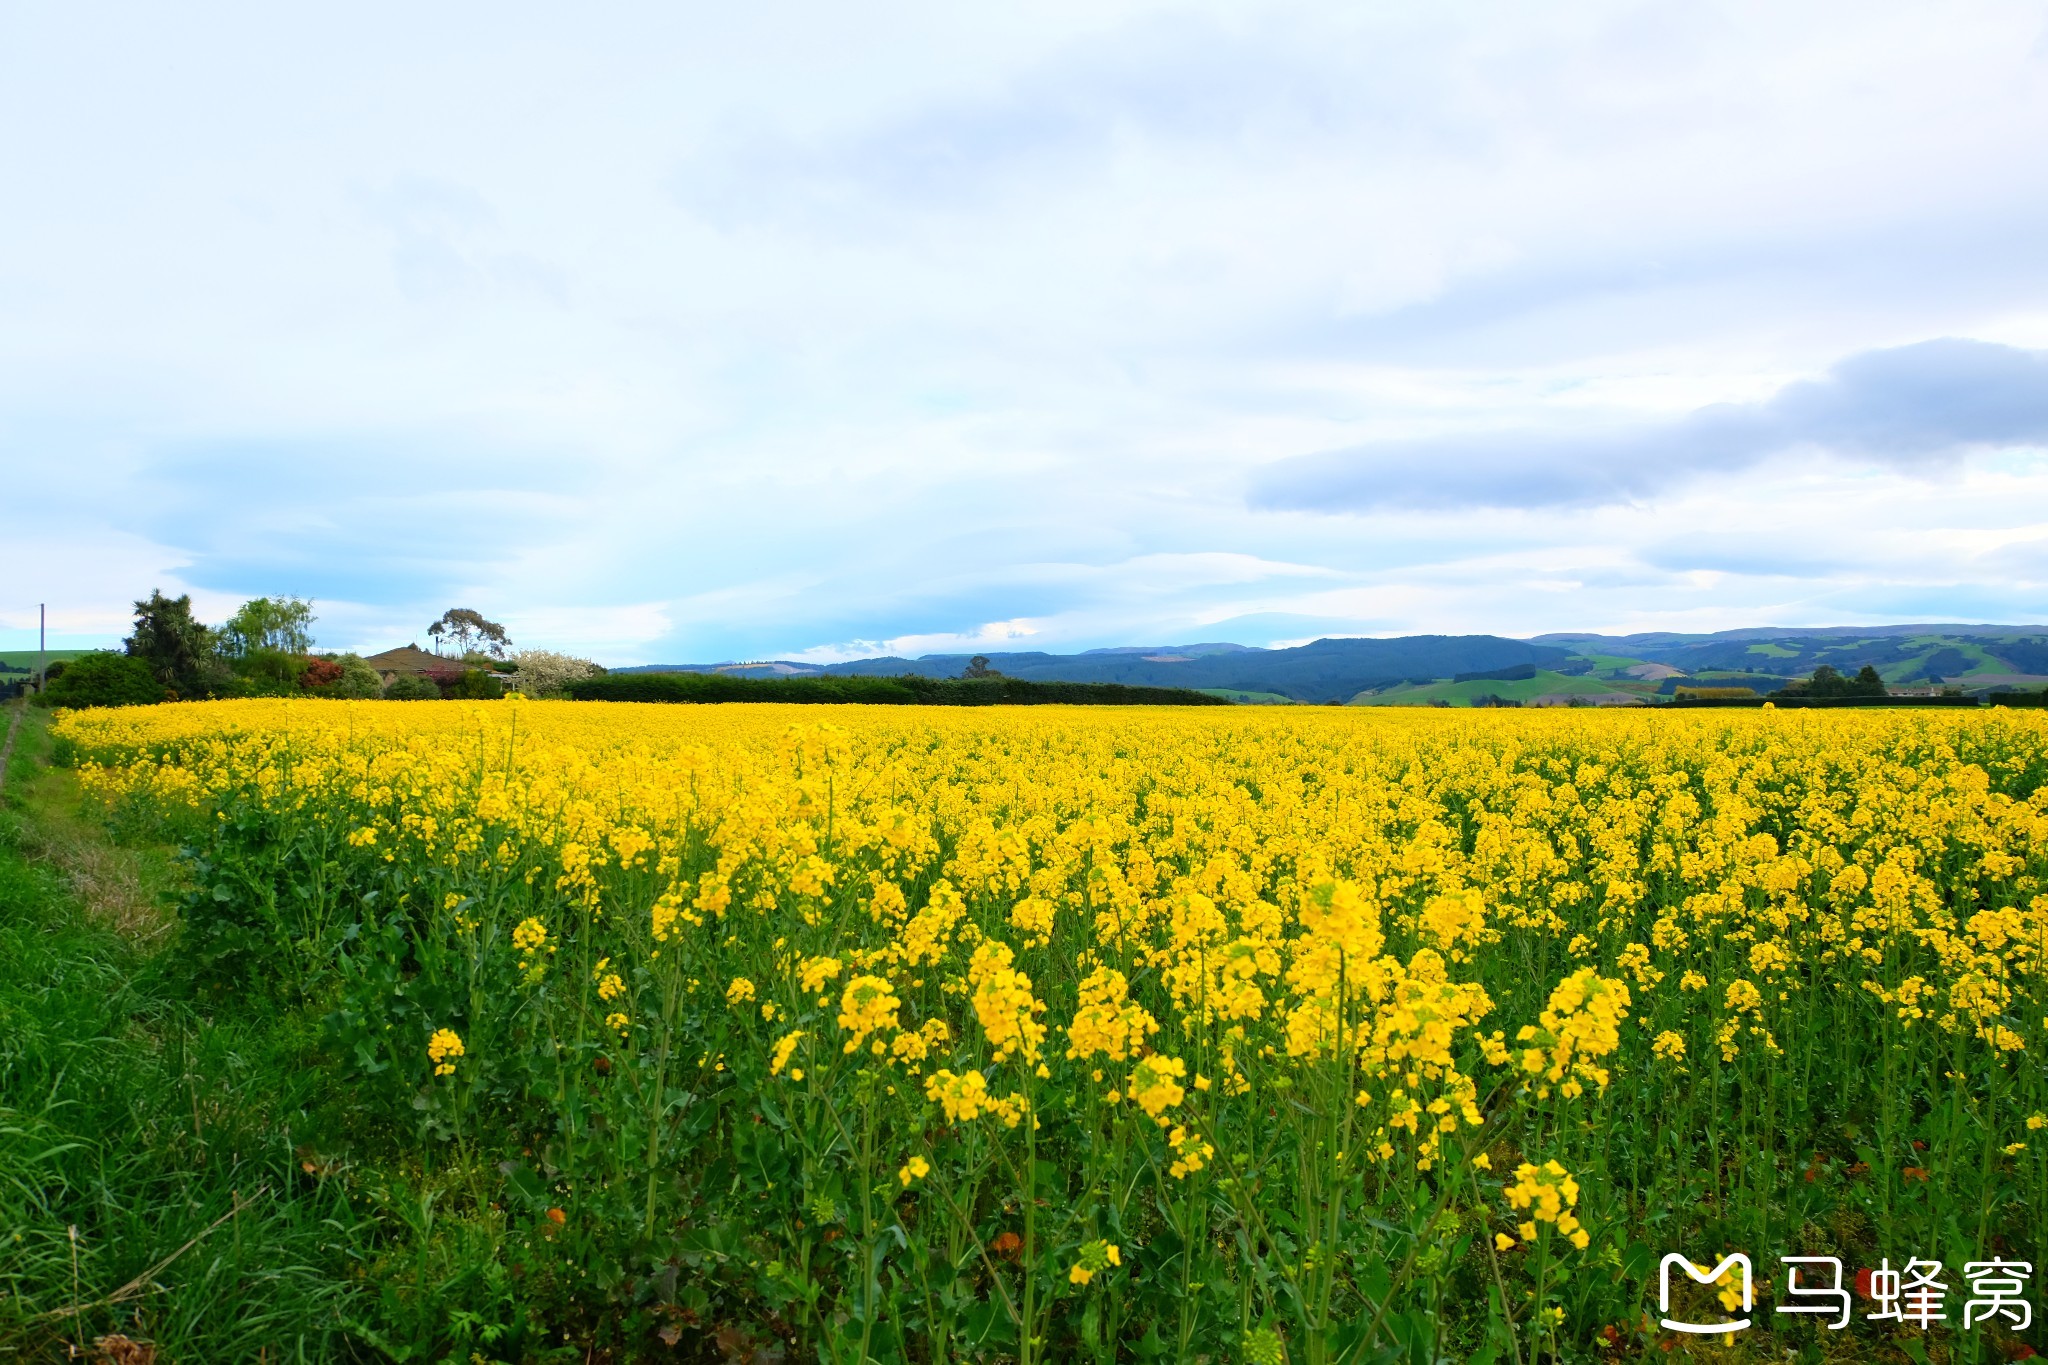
679, 332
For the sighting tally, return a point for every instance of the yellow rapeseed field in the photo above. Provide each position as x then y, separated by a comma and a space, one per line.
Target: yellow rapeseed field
1249, 1034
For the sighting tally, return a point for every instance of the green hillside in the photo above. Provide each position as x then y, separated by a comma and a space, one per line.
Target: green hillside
1545, 686
1981, 657
16, 660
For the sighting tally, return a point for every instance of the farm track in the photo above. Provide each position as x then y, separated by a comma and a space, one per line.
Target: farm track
7, 749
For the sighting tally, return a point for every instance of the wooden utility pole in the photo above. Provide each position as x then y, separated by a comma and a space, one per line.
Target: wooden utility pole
42, 643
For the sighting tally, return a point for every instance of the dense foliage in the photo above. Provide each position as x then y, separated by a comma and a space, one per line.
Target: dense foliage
1316, 1034
1826, 682
264, 650
102, 678
182, 653
907, 690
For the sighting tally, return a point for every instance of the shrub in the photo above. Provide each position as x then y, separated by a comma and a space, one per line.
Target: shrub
358, 681
411, 687
343, 676
320, 675
472, 684
103, 678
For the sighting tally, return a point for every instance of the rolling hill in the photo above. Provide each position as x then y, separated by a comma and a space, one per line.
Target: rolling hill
1975, 658
24, 660
1549, 670
1327, 670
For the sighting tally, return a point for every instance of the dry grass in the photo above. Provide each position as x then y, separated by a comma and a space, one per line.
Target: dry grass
121, 887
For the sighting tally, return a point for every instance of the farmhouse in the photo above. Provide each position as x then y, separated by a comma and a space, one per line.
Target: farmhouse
410, 661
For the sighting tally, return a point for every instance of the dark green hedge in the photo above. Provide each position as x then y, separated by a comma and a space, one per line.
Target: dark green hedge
102, 678
903, 691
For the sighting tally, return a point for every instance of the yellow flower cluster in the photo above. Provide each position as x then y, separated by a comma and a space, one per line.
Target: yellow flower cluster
1004, 1004
868, 1006
1549, 1194
1096, 1257
1155, 1084
1190, 1152
785, 1048
966, 1097
1581, 1024
443, 1049
1107, 1022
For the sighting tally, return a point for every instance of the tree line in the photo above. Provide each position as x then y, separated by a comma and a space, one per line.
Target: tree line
1828, 682
266, 650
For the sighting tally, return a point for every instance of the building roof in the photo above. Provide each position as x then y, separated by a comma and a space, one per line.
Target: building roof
412, 659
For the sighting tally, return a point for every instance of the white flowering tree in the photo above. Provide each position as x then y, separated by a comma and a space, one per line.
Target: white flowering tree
542, 672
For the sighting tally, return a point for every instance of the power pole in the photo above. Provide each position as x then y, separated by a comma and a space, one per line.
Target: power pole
42, 643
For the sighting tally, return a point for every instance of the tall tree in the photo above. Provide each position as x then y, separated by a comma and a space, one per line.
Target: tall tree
283, 625
1825, 682
467, 630
178, 649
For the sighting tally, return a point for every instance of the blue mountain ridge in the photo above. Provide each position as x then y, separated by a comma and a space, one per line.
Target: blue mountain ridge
1338, 669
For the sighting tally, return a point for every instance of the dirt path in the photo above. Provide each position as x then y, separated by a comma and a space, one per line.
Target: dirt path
7, 749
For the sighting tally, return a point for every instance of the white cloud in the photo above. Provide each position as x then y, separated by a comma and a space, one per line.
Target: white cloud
990, 635
744, 333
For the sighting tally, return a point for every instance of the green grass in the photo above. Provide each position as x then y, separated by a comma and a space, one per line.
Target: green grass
179, 1165
26, 658
147, 1180
1612, 663
1775, 651
1981, 661
1544, 684
1243, 698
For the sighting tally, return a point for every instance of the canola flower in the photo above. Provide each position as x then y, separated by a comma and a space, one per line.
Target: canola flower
1261, 979
443, 1050
1548, 1193
1096, 1257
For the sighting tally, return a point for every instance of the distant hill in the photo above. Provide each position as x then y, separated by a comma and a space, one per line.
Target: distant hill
1971, 657
1554, 669
1178, 651
24, 660
1327, 670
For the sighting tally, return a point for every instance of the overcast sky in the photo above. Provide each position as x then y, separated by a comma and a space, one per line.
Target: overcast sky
675, 332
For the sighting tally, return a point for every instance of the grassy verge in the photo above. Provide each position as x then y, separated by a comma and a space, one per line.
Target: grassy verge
149, 1187
181, 1176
